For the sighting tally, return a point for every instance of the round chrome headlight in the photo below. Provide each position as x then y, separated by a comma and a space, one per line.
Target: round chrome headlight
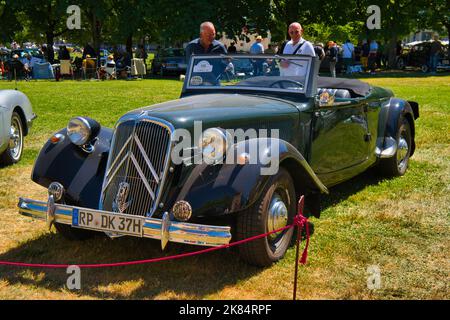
214, 144
82, 130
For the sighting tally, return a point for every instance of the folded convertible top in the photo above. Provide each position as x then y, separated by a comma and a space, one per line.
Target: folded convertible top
358, 87
355, 86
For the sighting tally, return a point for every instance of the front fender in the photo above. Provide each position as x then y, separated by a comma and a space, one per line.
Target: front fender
389, 121
214, 190
80, 173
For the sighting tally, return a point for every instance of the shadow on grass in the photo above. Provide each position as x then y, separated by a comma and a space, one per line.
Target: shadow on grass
348, 188
194, 277
191, 277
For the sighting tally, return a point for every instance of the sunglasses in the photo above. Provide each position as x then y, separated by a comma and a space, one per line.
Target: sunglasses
294, 32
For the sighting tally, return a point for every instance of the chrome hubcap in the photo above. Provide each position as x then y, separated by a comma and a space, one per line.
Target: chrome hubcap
402, 152
277, 217
15, 138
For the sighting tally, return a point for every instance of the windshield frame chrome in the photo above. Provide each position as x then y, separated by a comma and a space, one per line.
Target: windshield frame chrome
310, 74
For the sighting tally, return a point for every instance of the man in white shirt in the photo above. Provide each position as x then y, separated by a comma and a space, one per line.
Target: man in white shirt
297, 45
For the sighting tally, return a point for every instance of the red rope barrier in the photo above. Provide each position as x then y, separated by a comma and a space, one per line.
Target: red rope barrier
299, 222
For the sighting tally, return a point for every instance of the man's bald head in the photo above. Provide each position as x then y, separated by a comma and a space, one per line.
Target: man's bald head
207, 33
295, 31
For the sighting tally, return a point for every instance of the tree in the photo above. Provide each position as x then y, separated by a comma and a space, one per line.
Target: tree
9, 23
436, 16
45, 16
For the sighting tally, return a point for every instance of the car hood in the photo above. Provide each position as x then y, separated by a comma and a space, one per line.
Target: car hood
223, 110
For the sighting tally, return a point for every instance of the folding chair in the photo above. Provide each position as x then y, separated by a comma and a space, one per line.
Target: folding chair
89, 68
138, 67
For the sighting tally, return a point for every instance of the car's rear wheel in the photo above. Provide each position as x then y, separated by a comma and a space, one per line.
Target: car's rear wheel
274, 210
397, 164
14, 151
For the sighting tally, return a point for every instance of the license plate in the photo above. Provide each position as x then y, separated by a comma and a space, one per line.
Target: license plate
103, 221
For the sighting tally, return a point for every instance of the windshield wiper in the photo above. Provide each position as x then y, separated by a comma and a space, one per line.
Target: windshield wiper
290, 61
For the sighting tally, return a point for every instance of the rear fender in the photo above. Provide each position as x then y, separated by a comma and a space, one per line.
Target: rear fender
389, 121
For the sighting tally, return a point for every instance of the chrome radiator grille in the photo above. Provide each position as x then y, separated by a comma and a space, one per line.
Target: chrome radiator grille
138, 160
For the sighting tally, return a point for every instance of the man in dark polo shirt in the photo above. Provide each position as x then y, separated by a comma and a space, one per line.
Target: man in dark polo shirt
206, 43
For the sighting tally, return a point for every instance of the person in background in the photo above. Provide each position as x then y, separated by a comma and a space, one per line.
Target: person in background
64, 54
365, 55
270, 49
88, 50
318, 49
255, 49
2, 69
333, 56
297, 45
435, 51
28, 65
348, 54
110, 61
232, 48
206, 42
15, 68
141, 53
373, 50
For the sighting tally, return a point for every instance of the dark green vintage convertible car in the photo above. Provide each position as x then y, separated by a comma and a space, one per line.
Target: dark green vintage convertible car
226, 161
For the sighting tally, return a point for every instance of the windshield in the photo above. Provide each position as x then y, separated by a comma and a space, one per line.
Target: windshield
261, 72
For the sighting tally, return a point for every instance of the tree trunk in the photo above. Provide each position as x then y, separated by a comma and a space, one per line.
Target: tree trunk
129, 45
50, 52
96, 32
393, 51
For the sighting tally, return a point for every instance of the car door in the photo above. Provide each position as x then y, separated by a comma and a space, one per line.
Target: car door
340, 139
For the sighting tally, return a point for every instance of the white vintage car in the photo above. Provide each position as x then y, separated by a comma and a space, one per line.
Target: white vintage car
16, 117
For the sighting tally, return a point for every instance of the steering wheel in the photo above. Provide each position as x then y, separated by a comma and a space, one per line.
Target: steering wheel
297, 84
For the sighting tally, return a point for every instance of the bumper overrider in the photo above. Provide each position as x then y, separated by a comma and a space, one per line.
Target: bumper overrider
121, 224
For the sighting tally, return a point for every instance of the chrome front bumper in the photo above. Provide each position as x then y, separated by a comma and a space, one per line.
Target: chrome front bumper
161, 229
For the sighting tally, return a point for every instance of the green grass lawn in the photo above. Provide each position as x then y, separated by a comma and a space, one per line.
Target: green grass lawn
399, 225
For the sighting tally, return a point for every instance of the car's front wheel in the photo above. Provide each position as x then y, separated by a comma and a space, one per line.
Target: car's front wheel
14, 151
397, 164
274, 210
